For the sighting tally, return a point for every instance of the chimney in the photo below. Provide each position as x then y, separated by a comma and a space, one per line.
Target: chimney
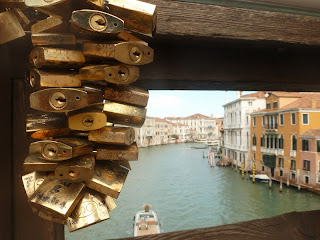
314, 103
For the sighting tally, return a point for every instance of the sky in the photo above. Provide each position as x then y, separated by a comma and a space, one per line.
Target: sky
183, 103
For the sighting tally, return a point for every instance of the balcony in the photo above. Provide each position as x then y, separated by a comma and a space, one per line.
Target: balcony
280, 152
293, 153
270, 151
271, 127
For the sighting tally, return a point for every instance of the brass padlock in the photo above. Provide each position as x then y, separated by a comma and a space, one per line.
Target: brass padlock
108, 178
64, 99
128, 115
132, 53
60, 149
53, 39
46, 121
77, 169
42, 79
125, 36
123, 163
127, 94
33, 163
92, 24
57, 198
89, 4
87, 119
44, 57
49, 217
118, 74
10, 27
32, 181
22, 18
59, 8
117, 153
50, 25
49, 134
93, 208
113, 135
138, 16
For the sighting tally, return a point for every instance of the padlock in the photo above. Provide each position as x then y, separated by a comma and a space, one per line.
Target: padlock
94, 24
41, 79
138, 16
49, 134
53, 39
45, 57
89, 4
10, 27
12, 4
57, 198
22, 18
59, 8
118, 74
64, 99
108, 178
33, 163
87, 119
116, 153
50, 25
46, 121
128, 115
123, 163
132, 53
93, 208
32, 181
49, 217
125, 36
113, 135
111, 204
127, 94
77, 169
60, 149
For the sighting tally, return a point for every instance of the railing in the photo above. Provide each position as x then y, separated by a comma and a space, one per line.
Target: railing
271, 126
280, 151
292, 153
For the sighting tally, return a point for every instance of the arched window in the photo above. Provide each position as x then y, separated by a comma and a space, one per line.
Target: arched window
294, 142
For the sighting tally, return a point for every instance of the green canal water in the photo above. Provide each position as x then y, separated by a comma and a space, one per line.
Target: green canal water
187, 194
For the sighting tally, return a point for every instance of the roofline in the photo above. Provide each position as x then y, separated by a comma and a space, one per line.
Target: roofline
288, 110
241, 99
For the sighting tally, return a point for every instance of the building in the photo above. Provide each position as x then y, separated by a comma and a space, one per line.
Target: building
285, 137
163, 131
182, 131
145, 136
236, 128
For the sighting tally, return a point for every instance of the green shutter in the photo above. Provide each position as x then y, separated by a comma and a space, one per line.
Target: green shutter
318, 146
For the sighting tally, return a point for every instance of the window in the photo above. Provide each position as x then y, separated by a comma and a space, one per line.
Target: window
268, 141
254, 156
281, 142
318, 145
293, 165
250, 103
306, 165
281, 120
305, 145
263, 121
293, 118
262, 168
281, 173
271, 142
254, 121
305, 118
293, 176
254, 140
281, 162
262, 141
294, 142
275, 104
268, 105
306, 179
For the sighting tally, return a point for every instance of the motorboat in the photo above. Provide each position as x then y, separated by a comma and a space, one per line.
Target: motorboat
261, 178
146, 222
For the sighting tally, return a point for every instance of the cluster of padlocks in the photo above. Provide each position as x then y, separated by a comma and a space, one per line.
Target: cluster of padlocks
80, 67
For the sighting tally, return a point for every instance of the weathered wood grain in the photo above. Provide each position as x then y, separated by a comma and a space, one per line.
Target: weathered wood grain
178, 20
293, 226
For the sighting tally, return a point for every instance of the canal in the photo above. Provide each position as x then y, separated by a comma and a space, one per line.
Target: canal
186, 193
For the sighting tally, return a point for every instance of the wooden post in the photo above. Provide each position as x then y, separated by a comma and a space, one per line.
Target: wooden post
298, 176
280, 189
270, 181
288, 179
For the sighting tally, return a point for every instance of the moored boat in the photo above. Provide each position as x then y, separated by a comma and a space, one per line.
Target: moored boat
261, 178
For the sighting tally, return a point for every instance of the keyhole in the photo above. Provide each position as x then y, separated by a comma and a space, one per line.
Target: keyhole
101, 22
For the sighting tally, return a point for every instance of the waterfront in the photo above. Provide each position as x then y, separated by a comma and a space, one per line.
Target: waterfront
187, 193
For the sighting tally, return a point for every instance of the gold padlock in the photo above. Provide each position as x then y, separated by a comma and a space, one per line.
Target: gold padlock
92, 24
127, 94
87, 119
53, 39
50, 25
118, 74
60, 149
49, 134
124, 164
33, 163
59, 8
128, 115
22, 18
41, 79
45, 57
117, 153
57, 198
132, 53
77, 169
125, 36
49, 217
46, 121
32, 181
138, 16
64, 99
108, 178
93, 208
10, 27
89, 4
113, 135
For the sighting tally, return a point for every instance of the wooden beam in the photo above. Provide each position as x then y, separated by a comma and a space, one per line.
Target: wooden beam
180, 20
294, 225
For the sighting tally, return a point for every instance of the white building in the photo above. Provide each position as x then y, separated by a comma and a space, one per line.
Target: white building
182, 131
163, 131
145, 136
237, 127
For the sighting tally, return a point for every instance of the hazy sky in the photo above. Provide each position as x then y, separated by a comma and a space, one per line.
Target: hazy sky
180, 103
